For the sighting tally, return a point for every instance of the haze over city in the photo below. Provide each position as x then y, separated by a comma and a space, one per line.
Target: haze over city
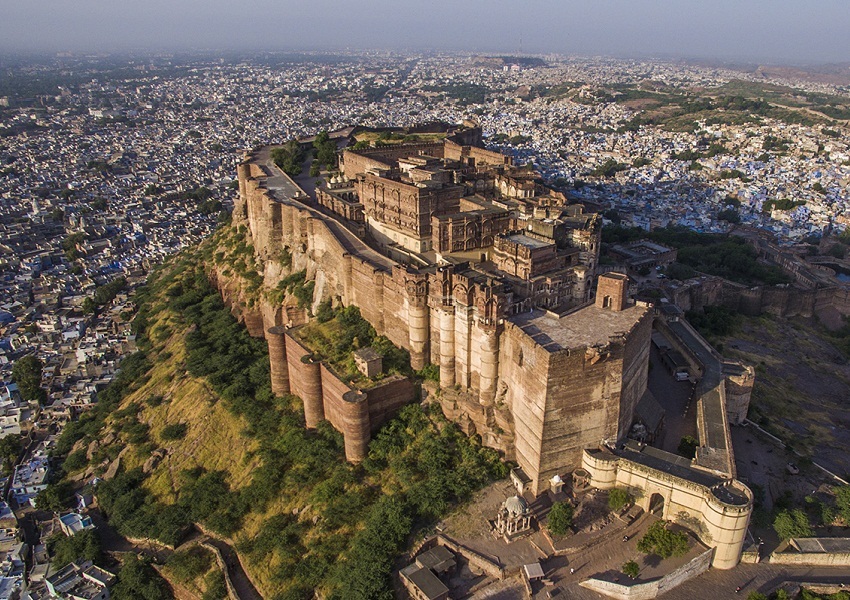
362, 300
758, 30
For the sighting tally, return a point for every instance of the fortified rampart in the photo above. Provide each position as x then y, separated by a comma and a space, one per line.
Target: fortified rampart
717, 510
538, 381
355, 413
491, 362
787, 300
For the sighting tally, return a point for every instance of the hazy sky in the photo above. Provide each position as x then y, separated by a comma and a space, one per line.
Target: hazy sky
752, 30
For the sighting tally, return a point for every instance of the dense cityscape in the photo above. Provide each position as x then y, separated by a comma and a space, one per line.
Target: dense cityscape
110, 165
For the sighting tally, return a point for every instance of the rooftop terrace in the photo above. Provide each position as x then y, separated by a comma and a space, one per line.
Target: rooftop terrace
582, 328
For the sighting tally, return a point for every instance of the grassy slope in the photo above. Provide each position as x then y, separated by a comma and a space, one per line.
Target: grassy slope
802, 384
420, 466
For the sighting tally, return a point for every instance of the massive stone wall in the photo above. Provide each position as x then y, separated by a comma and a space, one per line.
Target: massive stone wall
567, 400
655, 588
355, 413
354, 163
509, 388
779, 300
719, 524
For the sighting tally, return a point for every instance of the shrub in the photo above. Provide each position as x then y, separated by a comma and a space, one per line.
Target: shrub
190, 563
792, 523
175, 431
83, 545
138, 580
560, 518
216, 587
618, 498
75, 461
631, 568
663, 542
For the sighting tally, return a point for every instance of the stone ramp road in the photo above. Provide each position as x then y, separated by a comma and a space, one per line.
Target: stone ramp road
244, 588
284, 190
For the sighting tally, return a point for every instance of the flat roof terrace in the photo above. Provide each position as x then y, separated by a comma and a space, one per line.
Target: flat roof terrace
582, 328
528, 242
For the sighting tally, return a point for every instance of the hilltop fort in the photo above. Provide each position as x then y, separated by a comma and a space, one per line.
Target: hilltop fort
474, 266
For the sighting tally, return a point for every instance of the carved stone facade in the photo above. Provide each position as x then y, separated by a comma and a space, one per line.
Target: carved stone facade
464, 231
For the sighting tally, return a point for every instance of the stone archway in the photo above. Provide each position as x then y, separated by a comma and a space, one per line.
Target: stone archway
656, 504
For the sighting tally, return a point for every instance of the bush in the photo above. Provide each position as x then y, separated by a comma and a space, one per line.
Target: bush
55, 497
26, 373
216, 587
792, 523
75, 461
842, 503
661, 541
631, 569
190, 563
560, 518
84, 545
138, 580
175, 431
618, 498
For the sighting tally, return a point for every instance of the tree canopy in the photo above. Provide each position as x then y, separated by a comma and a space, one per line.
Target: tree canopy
560, 518
792, 523
27, 375
663, 542
288, 157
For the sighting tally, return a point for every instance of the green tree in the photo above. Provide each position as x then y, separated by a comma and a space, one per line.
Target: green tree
190, 563
756, 596
792, 523
89, 307
75, 461
688, 446
631, 568
174, 431
288, 157
55, 497
560, 518
10, 449
730, 214
27, 375
83, 545
138, 580
618, 498
216, 587
662, 541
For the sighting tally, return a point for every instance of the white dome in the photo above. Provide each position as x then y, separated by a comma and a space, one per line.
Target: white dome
516, 505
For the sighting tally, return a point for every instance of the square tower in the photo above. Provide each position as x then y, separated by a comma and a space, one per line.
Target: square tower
612, 291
